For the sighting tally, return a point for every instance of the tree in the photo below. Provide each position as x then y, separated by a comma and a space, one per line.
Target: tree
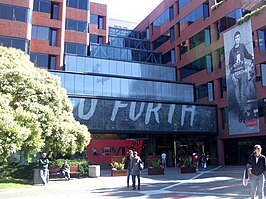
35, 112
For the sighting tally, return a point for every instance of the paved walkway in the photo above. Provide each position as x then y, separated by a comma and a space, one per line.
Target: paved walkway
215, 182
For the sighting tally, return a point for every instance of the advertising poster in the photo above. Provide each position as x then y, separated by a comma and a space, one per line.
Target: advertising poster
241, 80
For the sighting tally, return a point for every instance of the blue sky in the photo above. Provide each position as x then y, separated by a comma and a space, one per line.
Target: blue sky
129, 10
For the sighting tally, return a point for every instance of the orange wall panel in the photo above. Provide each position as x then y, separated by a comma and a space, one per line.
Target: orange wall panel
99, 9
24, 3
14, 29
43, 19
42, 46
77, 14
76, 37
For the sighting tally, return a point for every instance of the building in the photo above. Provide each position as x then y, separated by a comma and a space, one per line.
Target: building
164, 82
194, 31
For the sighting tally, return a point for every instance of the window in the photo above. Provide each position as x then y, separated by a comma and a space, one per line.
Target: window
172, 34
94, 19
225, 116
76, 25
197, 66
100, 23
53, 37
202, 36
74, 48
18, 43
210, 92
201, 91
79, 4
42, 6
223, 86
182, 3
262, 41
263, 74
54, 10
195, 15
171, 12
160, 20
14, 13
162, 39
262, 108
173, 56
93, 38
148, 33
40, 32
100, 39
52, 62
39, 59
230, 19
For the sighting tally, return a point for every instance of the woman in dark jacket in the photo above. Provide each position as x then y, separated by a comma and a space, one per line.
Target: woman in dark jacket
135, 169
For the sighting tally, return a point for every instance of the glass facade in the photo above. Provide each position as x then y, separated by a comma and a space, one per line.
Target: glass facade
126, 54
40, 32
14, 42
263, 74
15, 13
112, 67
203, 36
120, 116
129, 43
122, 87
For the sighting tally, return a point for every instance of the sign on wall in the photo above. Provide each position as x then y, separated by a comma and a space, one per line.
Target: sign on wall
241, 80
105, 115
101, 151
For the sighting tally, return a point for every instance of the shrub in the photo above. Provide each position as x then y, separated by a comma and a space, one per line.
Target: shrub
156, 164
83, 164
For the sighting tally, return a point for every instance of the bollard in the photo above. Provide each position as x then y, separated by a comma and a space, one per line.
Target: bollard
94, 171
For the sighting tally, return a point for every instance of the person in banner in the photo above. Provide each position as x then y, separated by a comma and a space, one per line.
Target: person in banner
239, 62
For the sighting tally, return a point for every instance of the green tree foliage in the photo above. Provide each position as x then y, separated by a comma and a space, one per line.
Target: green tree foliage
35, 112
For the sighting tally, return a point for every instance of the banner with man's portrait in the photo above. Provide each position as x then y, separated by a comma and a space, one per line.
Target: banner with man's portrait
241, 80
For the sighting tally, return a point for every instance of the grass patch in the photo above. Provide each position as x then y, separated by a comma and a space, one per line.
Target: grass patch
8, 183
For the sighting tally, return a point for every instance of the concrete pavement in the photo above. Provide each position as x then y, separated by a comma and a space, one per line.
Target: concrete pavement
215, 182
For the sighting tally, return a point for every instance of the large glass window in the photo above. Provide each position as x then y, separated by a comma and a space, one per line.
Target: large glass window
230, 19
161, 19
42, 6
94, 19
182, 3
76, 25
18, 43
197, 66
75, 48
39, 59
195, 15
40, 32
53, 37
262, 39
79, 4
162, 39
14, 13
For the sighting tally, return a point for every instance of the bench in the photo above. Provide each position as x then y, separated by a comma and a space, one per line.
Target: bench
55, 171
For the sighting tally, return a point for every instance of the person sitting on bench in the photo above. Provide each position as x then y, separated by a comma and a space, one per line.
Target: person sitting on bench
65, 170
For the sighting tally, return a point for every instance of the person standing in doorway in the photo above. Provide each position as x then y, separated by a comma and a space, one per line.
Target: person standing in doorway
163, 156
43, 167
127, 165
256, 171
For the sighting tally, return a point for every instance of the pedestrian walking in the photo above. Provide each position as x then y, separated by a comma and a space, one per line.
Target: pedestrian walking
135, 169
127, 165
43, 168
163, 159
257, 166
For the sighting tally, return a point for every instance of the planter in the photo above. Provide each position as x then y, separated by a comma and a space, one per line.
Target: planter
118, 172
155, 171
188, 169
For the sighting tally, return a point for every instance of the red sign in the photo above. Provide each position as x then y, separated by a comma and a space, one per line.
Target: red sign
101, 151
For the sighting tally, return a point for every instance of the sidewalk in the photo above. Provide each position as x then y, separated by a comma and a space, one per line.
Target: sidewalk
214, 183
